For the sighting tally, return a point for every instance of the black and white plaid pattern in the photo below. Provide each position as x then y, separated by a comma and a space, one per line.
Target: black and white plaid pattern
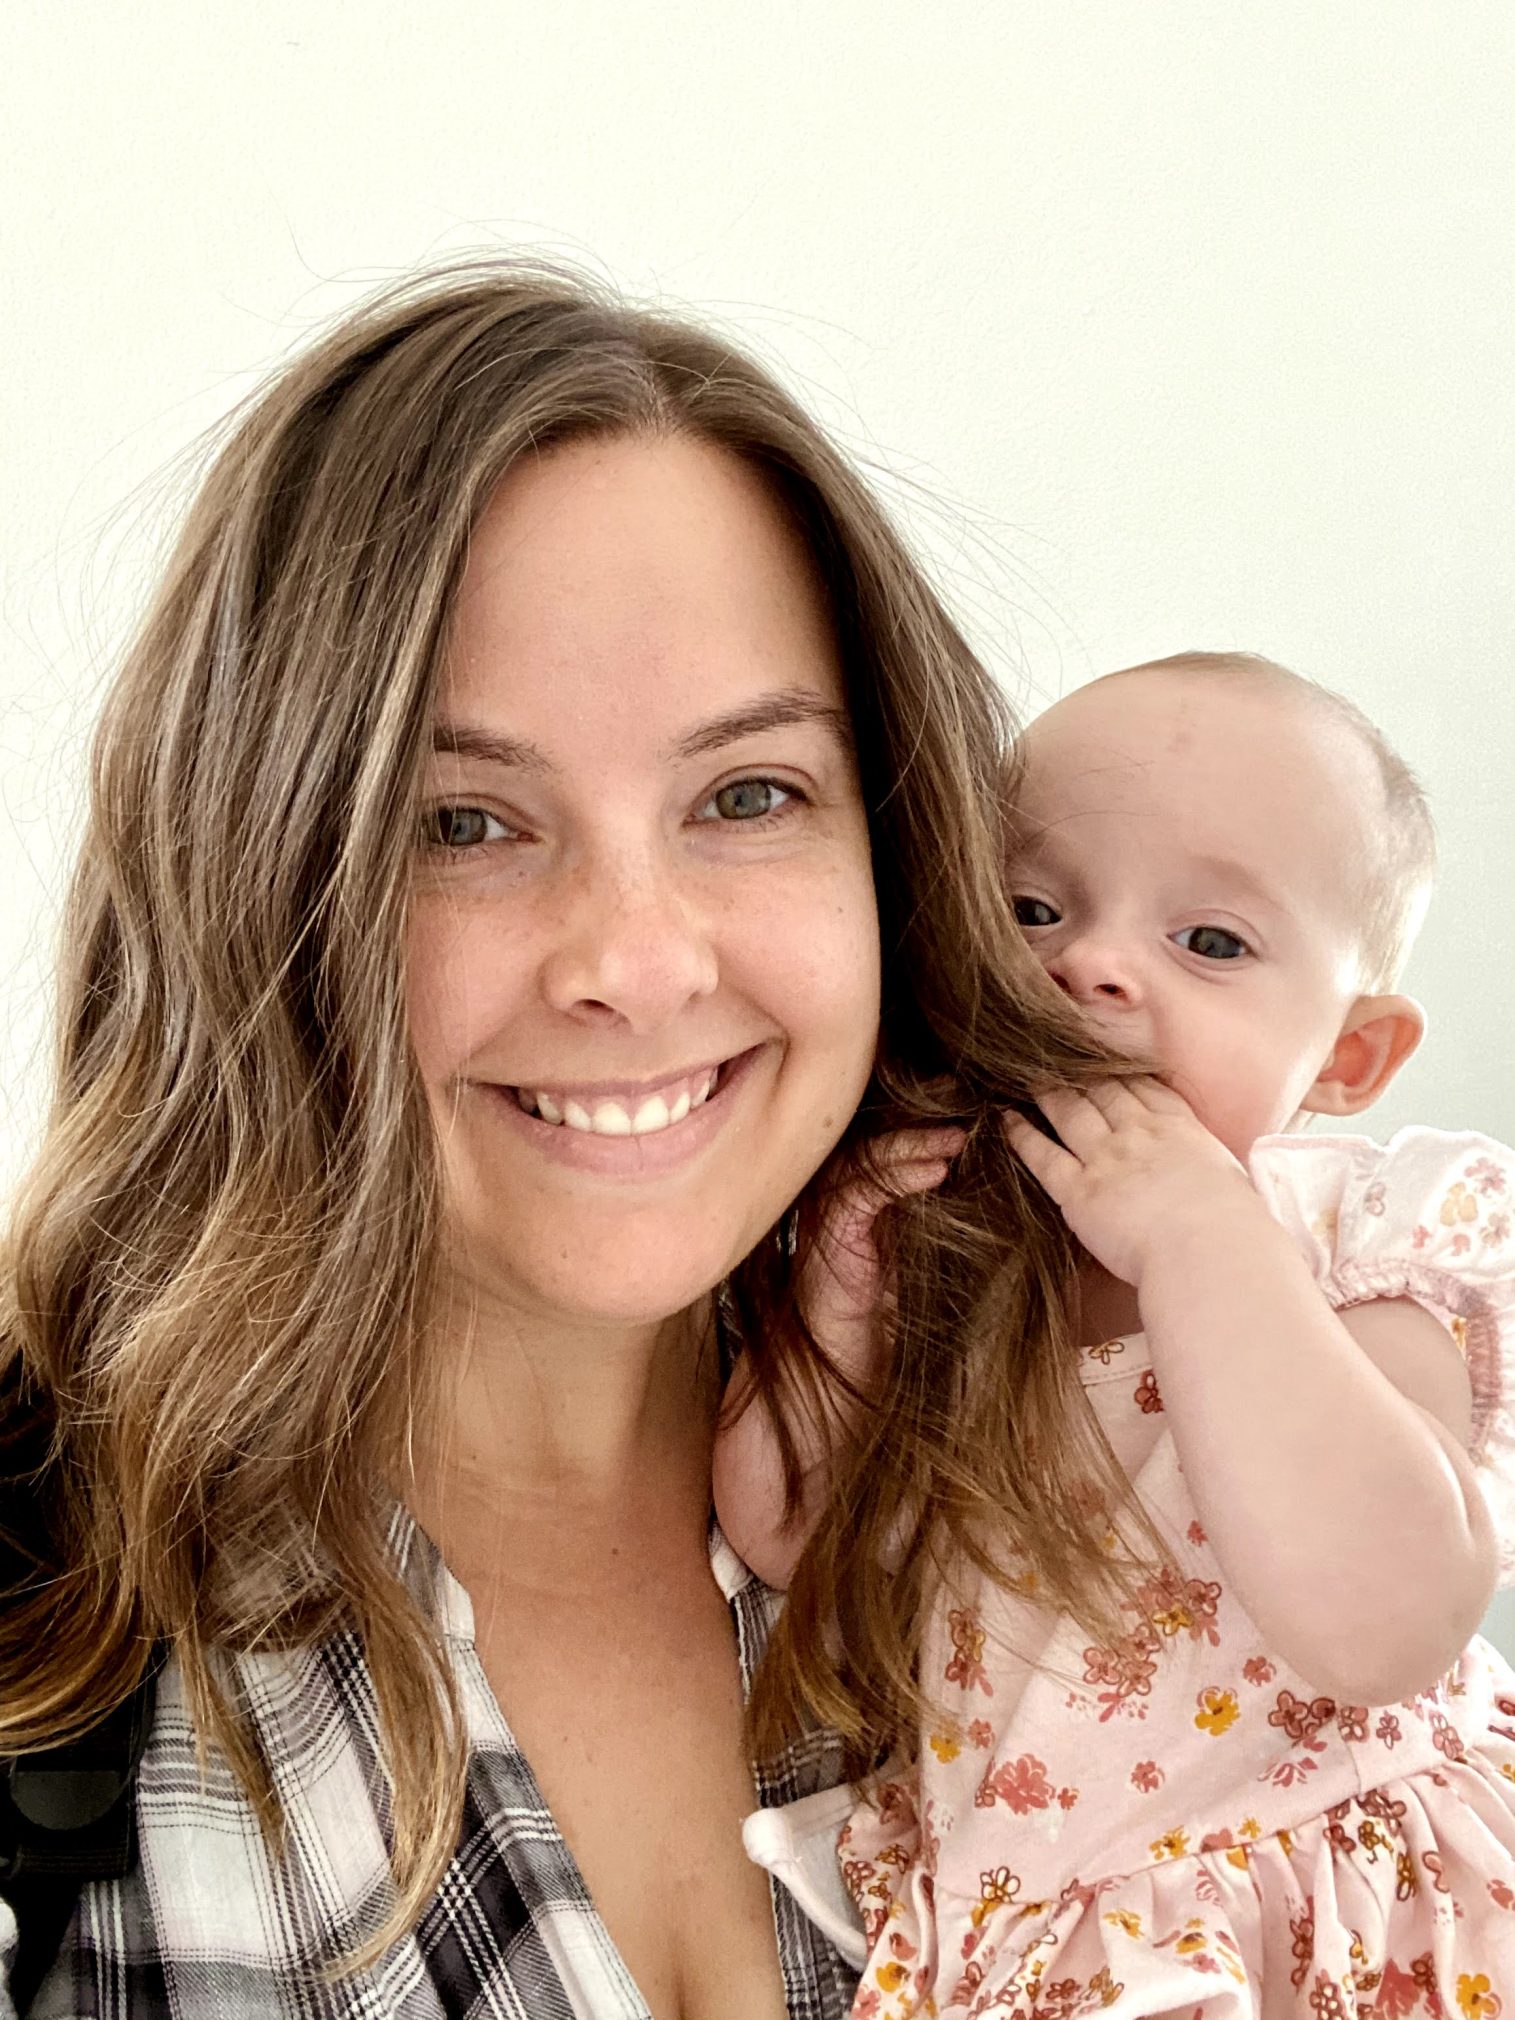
210, 1927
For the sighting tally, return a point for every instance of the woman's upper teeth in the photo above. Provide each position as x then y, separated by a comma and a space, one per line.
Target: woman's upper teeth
638, 1115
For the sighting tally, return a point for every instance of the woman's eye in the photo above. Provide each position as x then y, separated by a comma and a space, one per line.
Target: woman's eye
460, 827
1035, 912
1214, 943
748, 799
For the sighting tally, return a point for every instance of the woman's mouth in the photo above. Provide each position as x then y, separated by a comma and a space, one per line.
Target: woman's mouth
643, 1112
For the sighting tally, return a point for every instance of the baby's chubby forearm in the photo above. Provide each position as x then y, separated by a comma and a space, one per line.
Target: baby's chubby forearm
1343, 1507
1323, 1452
844, 1300
747, 1484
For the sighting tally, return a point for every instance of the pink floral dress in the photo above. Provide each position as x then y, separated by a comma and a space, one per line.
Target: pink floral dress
1174, 1822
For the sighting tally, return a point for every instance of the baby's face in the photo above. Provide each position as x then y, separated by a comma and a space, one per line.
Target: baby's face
1189, 862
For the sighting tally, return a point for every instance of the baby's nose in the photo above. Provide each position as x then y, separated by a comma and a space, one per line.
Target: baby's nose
1095, 973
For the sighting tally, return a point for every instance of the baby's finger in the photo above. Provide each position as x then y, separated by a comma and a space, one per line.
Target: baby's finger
894, 1168
890, 1156
1107, 1097
1157, 1096
1054, 1168
1079, 1124
943, 1139
921, 1175
1119, 1101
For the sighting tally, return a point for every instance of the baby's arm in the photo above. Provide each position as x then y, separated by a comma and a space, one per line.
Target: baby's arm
840, 1295
1325, 1452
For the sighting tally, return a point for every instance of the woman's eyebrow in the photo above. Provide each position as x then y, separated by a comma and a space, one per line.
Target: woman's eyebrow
778, 710
768, 711
461, 739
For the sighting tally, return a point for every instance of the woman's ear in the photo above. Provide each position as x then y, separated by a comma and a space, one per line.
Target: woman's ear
1376, 1038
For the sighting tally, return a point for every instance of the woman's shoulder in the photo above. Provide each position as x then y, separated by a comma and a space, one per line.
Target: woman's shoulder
211, 1894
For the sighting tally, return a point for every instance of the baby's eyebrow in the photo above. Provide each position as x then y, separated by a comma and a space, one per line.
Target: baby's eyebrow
1028, 839
1227, 870
1040, 846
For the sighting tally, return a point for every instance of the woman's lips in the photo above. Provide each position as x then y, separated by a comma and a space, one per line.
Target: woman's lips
625, 1152
643, 1113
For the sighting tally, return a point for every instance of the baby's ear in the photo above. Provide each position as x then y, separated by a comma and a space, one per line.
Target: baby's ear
1377, 1036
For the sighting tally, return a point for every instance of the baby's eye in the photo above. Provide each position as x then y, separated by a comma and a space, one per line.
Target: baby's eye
461, 827
1214, 943
748, 800
1035, 912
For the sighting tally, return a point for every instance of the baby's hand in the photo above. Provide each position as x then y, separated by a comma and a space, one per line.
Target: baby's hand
1133, 1162
841, 1288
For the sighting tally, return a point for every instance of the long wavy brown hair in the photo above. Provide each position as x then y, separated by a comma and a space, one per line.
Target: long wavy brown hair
220, 1268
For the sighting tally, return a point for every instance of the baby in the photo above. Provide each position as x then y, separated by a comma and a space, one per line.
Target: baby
1288, 1785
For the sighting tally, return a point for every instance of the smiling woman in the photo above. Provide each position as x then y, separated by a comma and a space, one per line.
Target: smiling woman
671, 900
545, 830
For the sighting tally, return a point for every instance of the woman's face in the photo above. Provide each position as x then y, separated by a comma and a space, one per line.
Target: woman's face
644, 962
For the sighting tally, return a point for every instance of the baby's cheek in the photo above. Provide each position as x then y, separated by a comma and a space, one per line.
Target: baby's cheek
1243, 1104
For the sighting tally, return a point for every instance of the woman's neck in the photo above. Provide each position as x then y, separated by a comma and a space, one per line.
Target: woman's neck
539, 1418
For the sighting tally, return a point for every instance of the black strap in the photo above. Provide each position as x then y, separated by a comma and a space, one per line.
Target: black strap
67, 1815
43, 1911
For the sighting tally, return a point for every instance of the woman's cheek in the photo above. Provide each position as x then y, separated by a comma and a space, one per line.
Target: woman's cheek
461, 963
812, 957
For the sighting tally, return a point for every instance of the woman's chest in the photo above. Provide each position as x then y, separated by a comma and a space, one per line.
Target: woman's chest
627, 1704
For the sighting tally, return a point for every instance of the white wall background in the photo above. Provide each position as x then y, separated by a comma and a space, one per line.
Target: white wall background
1172, 322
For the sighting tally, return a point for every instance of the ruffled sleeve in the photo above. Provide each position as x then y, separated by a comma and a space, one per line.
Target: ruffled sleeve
1430, 1216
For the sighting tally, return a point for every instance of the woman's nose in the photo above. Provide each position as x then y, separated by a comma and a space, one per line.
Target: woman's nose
629, 946
1096, 972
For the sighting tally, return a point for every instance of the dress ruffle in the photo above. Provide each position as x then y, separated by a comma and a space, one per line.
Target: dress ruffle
1385, 1906
1431, 1216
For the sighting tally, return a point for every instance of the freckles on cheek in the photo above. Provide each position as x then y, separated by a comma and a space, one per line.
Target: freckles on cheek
445, 990
824, 968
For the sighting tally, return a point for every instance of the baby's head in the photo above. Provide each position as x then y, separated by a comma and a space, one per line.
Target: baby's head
1225, 866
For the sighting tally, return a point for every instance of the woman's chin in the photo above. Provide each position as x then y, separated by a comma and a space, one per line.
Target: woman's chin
595, 1285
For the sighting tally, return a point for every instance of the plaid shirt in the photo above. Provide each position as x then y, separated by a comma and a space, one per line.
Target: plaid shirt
209, 1926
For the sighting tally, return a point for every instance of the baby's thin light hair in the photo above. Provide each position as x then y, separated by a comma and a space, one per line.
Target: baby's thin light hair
1401, 857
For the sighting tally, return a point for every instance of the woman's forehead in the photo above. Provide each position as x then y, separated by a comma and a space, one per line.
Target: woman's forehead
631, 574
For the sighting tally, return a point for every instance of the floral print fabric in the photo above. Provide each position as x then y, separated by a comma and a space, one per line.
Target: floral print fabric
1173, 1822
